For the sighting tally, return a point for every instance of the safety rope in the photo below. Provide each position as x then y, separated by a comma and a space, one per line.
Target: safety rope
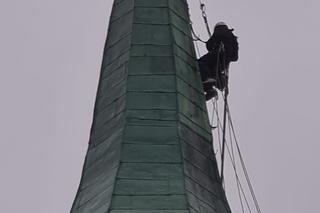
204, 16
244, 167
223, 68
216, 111
227, 114
224, 144
223, 127
195, 36
233, 163
233, 159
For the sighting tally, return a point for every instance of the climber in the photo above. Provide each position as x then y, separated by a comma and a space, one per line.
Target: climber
222, 49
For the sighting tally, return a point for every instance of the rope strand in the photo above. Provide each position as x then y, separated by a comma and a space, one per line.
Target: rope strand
232, 135
244, 166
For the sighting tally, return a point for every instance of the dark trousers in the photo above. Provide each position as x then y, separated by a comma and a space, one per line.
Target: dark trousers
209, 68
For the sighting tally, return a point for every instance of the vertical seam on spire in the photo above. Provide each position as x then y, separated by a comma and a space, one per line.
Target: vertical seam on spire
126, 106
177, 104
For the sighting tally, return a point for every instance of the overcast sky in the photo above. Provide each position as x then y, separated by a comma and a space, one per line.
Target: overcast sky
50, 56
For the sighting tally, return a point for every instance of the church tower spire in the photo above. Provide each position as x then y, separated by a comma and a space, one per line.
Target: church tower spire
150, 148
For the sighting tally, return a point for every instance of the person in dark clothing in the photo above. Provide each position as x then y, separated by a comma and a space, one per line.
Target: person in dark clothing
222, 49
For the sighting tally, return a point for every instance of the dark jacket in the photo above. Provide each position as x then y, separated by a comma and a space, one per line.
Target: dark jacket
209, 65
230, 44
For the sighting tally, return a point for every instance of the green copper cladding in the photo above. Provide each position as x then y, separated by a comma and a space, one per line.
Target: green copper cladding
150, 145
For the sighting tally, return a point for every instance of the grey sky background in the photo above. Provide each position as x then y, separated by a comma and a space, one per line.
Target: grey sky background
50, 56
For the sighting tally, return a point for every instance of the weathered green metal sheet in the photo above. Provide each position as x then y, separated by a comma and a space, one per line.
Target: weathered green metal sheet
151, 65
185, 57
191, 94
119, 48
151, 4
117, 33
150, 148
149, 115
151, 100
187, 73
151, 134
146, 153
120, 8
151, 15
180, 23
150, 171
151, 50
149, 211
151, 34
149, 187
108, 67
114, 78
155, 202
152, 83
100, 151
